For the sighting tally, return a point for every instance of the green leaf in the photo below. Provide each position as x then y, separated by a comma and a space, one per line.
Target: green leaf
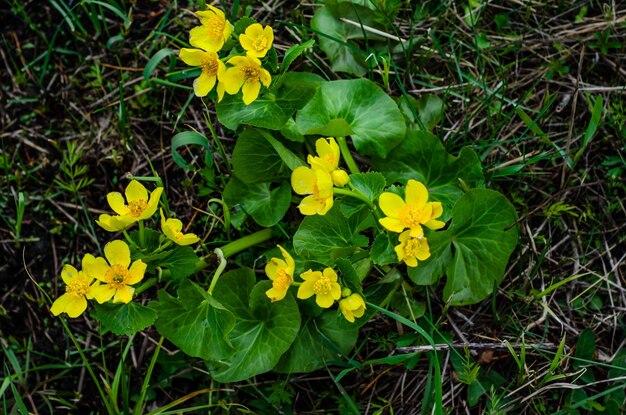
267, 206
263, 330
370, 184
382, 249
291, 160
156, 59
180, 261
151, 242
474, 250
195, 322
349, 276
290, 131
187, 138
320, 341
421, 156
123, 319
242, 24
424, 113
254, 158
274, 108
323, 238
293, 52
357, 106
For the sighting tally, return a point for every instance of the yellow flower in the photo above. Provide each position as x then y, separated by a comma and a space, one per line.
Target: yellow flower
245, 74
139, 207
411, 249
172, 229
281, 273
257, 40
114, 273
413, 212
77, 291
321, 284
212, 67
328, 159
215, 30
352, 306
317, 183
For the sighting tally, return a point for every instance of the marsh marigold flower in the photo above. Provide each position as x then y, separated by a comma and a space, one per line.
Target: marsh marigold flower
321, 284
352, 306
318, 184
328, 158
245, 74
412, 213
139, 206
77, 291
257, 40
116, 274
212, 67
411, 249
172, 228
280, 271
213, 32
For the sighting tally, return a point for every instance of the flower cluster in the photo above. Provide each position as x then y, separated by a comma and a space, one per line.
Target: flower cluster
412, 212
324, 285
244, 72
317, 181
113, 276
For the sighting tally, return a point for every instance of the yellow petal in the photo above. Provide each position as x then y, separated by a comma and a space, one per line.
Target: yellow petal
391, 204
275, 294
265, 77
254, 30
203, 84
124, 295
117, 253
102, 292
153, 203
273, 266
246, 41
192, 57
104, 221
291, 264
250, 92
392, 224
335, 291
117, 203
410, 261
202, 37
232, 80
135, 191
330, 274
95, 267
303, 180
60, 304
68, 273
416, 231
328, 150
305, 290
76, 306
340, 178
137, 271
187, 239
399, 251
220, 91
347, 313
328, 204
434, 224
324, 183
119, 223
211, 12
437, 210
268, 32
325, 300
310, 206
416, 194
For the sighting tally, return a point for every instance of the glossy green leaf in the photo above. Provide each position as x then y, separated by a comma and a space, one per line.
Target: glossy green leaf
371, 184
263, 330
425, 113
357, 106
421, 156
474, 251
123, 319
273, 108
195, 322
382, 249
187, 138
180, 261
324, 238
255, 160
266, 205
320, 341
293, 52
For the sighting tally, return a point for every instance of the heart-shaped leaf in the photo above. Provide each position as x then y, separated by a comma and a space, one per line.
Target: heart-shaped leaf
264, 330
358, 107
123, 319
265, 204
195, 322
474, 250
422, 157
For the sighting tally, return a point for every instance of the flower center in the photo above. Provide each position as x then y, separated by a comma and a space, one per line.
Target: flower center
77, 287
282, 280
322, 286
137, 207
411, 216
260, 43
209, 67
117, 275
216, 27
251, 73
413, 247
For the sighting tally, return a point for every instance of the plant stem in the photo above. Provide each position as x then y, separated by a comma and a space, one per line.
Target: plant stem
355, 194
142, 240
347, 156
143, 287
246, 242
219, 270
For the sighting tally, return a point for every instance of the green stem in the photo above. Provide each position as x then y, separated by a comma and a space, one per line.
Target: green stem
347, 156
142, 240
356, 195
143, 287
129, 240
246, 242
219, 270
